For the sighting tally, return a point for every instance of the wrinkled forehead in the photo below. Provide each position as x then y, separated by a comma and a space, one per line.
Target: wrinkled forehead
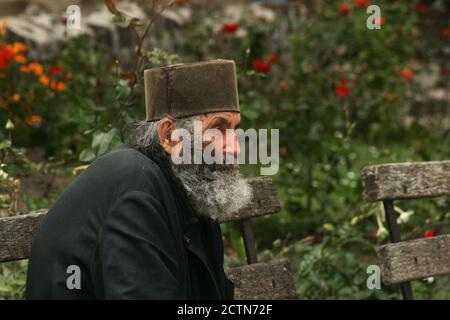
220, 119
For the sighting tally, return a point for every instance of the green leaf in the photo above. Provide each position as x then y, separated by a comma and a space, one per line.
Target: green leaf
87, 155
5, 144
105, 141
248, 112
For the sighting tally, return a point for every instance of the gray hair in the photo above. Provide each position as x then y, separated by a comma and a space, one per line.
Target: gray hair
145, 134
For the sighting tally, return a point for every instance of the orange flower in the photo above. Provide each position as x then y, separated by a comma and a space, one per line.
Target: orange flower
20, 59
15, 97
24, 69
44, 79
57, 86
18, 47
36, 68
34, 119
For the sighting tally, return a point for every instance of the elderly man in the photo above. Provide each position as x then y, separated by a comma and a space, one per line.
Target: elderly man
135, 225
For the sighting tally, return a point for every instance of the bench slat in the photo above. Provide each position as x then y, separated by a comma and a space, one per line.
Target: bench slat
16, 235
265, 201
414, 259
407, 180
265, 281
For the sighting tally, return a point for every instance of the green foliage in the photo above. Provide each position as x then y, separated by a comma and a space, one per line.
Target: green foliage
12, 280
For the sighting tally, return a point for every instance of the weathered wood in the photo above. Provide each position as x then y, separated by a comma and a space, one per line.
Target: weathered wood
394, 234
263, 281
406, 180
16, 235
414, 259
265, 201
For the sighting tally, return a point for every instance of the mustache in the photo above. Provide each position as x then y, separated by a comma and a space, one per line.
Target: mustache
197, 155
209, 172
230, 160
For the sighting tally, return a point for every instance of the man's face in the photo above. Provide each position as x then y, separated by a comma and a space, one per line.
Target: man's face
215, 189
225, 122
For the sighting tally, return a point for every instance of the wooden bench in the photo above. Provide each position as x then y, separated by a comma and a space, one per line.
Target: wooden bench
401, 262
271, 280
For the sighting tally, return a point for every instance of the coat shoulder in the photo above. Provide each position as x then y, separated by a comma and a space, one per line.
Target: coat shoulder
127, 167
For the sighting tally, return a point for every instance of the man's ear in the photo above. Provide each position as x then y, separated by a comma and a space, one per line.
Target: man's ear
165, 129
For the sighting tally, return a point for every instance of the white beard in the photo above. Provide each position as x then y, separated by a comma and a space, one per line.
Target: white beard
215, 191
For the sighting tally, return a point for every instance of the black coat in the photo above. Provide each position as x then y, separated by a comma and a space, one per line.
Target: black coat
126, 223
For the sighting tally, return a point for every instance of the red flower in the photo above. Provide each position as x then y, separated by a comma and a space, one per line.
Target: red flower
361, 3
443, 72
6, 55
55, 70
342, 89
271, 58
445, 32
421, 7
260, 66
230, 27
379, 20
407, 74
344, 8
429, 233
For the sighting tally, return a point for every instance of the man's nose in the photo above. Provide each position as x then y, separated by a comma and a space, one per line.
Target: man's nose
231, 144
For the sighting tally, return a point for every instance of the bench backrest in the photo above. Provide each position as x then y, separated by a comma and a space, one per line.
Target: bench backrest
271, 280
401, 262
410, 180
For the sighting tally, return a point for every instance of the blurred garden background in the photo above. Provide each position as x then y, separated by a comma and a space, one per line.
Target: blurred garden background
343, 96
